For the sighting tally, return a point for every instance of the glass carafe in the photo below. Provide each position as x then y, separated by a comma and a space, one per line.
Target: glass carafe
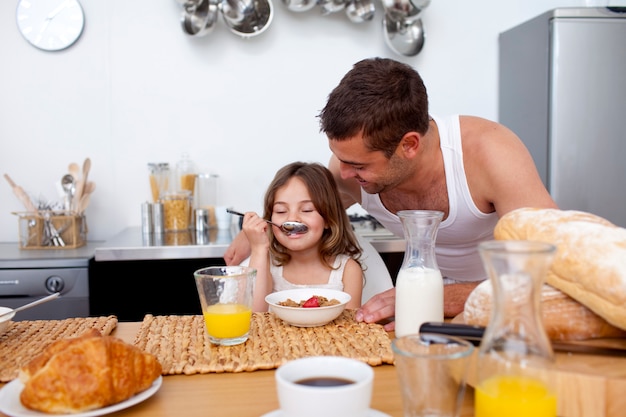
419, 285
515, 359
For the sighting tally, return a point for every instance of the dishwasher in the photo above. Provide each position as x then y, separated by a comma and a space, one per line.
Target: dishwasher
27, 275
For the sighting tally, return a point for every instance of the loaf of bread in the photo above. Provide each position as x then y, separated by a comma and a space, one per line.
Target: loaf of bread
590, 262
85, 373
564, 318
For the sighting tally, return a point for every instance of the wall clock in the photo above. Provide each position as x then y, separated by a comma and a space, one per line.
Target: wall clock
51, 25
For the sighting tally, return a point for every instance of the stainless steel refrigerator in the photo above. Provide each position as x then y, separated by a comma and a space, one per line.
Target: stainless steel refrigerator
562, 89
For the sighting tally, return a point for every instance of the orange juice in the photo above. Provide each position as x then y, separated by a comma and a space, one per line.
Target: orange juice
224, 321
514, 396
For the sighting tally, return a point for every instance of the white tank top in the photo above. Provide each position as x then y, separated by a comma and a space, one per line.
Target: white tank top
335, 280
458, 235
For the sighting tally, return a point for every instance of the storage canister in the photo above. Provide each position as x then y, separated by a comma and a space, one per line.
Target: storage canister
176, 211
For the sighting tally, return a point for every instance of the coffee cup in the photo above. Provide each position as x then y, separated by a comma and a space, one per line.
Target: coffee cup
343, 386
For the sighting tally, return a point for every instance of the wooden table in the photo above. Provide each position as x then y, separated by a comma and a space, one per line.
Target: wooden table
247, 394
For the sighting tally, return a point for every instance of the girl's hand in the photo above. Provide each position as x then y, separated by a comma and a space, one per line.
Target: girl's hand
255, 229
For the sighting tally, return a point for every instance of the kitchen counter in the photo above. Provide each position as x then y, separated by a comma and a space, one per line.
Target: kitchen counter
12, 257
132, 245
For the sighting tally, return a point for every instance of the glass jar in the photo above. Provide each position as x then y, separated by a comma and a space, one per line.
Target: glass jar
515, 360
159, 179
206, 191
176, 211
419, 285
186, 173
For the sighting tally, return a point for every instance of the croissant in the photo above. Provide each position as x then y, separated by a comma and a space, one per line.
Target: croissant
86, 373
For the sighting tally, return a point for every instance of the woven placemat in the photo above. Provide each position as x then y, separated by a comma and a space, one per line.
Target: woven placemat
182, 346
23, 340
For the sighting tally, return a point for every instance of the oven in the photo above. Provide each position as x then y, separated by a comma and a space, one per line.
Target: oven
27, 275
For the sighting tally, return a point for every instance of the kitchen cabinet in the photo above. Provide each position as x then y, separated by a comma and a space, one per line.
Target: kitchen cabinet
131, 289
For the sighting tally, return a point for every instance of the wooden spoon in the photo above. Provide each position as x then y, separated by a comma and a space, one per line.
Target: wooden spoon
21, 195
89, 187
80, 184
84, 202
74, 170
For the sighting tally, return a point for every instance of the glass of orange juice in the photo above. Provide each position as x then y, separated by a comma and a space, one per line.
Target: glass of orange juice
226, 298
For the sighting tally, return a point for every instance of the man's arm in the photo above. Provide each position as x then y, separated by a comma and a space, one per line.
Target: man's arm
238, 250
500, 171
454, 297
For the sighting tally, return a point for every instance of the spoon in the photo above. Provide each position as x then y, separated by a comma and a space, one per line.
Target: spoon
288, 228
74, 170
69, 186
33, 304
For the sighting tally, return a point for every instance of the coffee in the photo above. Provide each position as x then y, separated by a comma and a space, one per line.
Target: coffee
324, 381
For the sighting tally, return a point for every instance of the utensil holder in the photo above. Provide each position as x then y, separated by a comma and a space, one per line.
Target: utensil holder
51, 230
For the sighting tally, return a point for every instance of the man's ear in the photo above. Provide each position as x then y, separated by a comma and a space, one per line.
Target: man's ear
409, 144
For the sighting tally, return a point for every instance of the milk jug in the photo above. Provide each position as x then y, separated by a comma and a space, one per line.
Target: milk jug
419, 284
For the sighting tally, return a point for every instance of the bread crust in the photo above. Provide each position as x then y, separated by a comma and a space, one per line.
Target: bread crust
86, 373
590, 262
564, 318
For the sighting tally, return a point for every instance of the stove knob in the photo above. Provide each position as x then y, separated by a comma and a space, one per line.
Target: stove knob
55, 284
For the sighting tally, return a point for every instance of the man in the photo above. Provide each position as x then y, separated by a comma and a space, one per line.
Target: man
389, 154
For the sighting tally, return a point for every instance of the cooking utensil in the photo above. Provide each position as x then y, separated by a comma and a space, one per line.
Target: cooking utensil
332, 6
69, 186
359, 11
80, 183
21, 195
474, 334
247, 18
300, 5
198, 18
83, 203
405, 37
288, 228
33, 304
89, 188
74, 170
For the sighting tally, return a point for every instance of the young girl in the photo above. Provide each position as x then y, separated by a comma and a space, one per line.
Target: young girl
326, 256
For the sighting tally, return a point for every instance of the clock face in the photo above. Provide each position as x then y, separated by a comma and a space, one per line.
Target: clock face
50, 25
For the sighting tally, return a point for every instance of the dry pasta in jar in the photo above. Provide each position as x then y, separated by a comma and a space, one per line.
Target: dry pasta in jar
176, 211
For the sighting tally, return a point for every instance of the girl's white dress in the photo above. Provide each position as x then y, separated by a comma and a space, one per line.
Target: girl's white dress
335, 280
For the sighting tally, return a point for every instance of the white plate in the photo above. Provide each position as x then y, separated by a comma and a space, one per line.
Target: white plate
370, 413
10, 402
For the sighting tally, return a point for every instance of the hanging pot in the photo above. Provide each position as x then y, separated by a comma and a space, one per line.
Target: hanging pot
405, 37
359, 11
198, 19
247, 18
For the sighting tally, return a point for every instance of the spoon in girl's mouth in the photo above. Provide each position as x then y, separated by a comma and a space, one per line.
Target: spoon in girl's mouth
288, 228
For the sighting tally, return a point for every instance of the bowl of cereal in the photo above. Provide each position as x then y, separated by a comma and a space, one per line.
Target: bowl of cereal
307, 307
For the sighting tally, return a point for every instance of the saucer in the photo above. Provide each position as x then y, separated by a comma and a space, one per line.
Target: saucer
370, 413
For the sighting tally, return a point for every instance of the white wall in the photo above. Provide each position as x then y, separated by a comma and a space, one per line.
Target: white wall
135, 89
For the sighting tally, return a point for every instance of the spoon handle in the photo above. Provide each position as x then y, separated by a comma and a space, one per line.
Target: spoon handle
234, 212
241, 214
33, 304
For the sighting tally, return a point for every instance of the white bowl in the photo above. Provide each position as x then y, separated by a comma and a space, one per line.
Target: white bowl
5, 320
307, 317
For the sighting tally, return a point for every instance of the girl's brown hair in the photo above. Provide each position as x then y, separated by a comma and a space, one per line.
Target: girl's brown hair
338, 238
